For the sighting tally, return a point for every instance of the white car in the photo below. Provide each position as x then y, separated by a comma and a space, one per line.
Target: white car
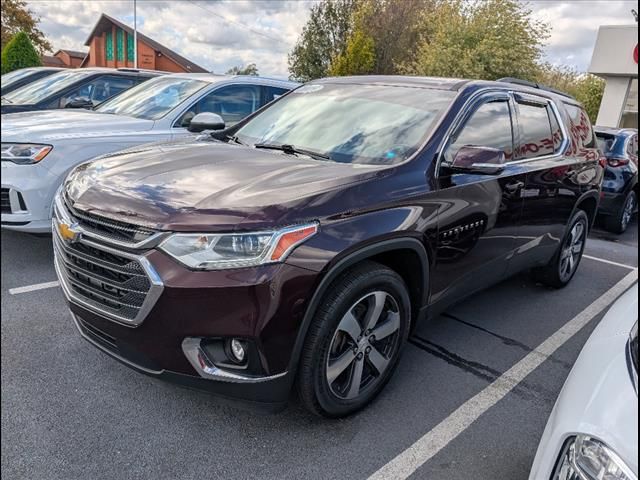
592, 433
40, 148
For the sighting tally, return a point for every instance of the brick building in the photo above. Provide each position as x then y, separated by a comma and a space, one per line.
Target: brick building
64, 59
111, 45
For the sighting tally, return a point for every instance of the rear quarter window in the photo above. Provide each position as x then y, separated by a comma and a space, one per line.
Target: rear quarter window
581, 130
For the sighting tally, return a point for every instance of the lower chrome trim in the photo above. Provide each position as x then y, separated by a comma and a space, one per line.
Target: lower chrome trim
195, 355
110, 353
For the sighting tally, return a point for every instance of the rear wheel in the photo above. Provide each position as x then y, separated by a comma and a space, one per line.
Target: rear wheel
564, 264
354, 342
619, 222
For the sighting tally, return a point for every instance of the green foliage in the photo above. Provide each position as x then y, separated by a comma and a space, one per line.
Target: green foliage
587, 89
359, 57
16, 17
484, 40
19, 53
323, 38
250, 69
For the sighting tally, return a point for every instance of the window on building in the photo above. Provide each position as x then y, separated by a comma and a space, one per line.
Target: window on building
232, 103
108, 46
489, 126
130, 48
120, 45
535, 131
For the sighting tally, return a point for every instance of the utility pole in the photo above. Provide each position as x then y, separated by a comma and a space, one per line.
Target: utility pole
135, 36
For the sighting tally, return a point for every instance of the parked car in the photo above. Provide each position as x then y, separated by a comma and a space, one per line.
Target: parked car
592, 433
18, 78
40, 148
73, 88
620, 186
304, 243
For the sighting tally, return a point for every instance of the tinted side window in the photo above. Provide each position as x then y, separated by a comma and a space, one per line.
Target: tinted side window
232, 103
556, 131
632, 148
581, 126
271, 93
488, 126
99, 89
535, 128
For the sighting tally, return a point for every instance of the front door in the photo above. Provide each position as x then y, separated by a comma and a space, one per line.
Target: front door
478, 214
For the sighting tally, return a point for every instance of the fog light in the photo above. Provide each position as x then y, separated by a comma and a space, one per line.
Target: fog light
237, 351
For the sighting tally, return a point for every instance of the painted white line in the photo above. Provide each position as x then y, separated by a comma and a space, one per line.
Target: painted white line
609, 262
407, 462
33, 288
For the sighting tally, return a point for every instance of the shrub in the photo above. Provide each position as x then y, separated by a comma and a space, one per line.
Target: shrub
19, 53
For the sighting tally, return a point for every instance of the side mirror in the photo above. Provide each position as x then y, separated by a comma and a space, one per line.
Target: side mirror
78, 102
479, 160
206, 121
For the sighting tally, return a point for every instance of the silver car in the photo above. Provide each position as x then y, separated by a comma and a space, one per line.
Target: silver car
40, 148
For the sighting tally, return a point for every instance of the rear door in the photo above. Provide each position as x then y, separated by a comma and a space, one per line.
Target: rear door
479, 214
560, 156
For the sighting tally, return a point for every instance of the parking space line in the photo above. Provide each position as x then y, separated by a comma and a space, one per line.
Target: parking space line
609, 262
33, 288
426, 447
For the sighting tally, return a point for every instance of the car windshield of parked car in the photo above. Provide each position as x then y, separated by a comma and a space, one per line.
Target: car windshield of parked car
41, 89
349, 123
12, 77
153, 99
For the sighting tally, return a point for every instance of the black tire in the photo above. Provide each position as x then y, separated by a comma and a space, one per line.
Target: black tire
356, 292
619, 222
556, 273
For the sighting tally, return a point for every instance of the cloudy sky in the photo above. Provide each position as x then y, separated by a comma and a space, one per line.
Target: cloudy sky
219, 34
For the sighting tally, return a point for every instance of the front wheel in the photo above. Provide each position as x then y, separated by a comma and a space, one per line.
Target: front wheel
564, 264
354, 341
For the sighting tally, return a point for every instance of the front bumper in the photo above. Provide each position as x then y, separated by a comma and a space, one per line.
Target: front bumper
263, 305
30, 190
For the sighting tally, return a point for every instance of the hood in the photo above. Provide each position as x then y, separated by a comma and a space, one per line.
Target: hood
211, 186
47, 126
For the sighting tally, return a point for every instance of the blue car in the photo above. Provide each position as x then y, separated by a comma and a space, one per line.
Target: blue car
620, 187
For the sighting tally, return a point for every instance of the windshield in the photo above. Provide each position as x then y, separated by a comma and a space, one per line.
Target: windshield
153, 99
8, 78
367, 124
41, 89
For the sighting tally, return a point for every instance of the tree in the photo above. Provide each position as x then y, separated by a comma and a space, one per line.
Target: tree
486, 40
359, 57
249, 69
586, 88
323, 38
16, 17
19, 53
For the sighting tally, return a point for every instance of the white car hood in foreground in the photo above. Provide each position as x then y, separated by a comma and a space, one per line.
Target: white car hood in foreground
599, 397
50, 125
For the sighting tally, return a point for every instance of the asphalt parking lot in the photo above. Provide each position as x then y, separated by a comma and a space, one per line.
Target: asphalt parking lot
71, 412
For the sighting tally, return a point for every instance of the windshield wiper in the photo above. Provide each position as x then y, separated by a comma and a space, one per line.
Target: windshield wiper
5, 99
235, 139
291, 150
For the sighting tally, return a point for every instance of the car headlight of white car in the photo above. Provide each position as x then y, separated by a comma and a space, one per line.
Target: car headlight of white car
236, 250
587, 458
24, 153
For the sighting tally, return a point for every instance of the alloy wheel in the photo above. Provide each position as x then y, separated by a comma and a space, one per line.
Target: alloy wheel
572, 250
627, 213
363, 345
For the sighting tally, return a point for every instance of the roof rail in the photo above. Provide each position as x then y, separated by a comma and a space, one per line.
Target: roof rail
539, 86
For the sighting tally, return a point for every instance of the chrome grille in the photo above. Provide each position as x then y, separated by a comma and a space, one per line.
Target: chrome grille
117, 284
109, 229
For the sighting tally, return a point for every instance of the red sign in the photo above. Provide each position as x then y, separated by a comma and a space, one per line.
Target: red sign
635, 54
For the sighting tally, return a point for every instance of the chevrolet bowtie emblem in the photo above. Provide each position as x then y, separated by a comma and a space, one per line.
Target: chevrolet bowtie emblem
69, 233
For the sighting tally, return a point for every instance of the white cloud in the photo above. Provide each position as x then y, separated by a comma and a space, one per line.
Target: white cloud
194, 28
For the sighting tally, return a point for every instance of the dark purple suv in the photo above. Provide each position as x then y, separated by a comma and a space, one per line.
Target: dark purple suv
302, 245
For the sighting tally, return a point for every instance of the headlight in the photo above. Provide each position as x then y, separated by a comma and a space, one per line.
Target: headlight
586, 458
224, 251
24, 153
